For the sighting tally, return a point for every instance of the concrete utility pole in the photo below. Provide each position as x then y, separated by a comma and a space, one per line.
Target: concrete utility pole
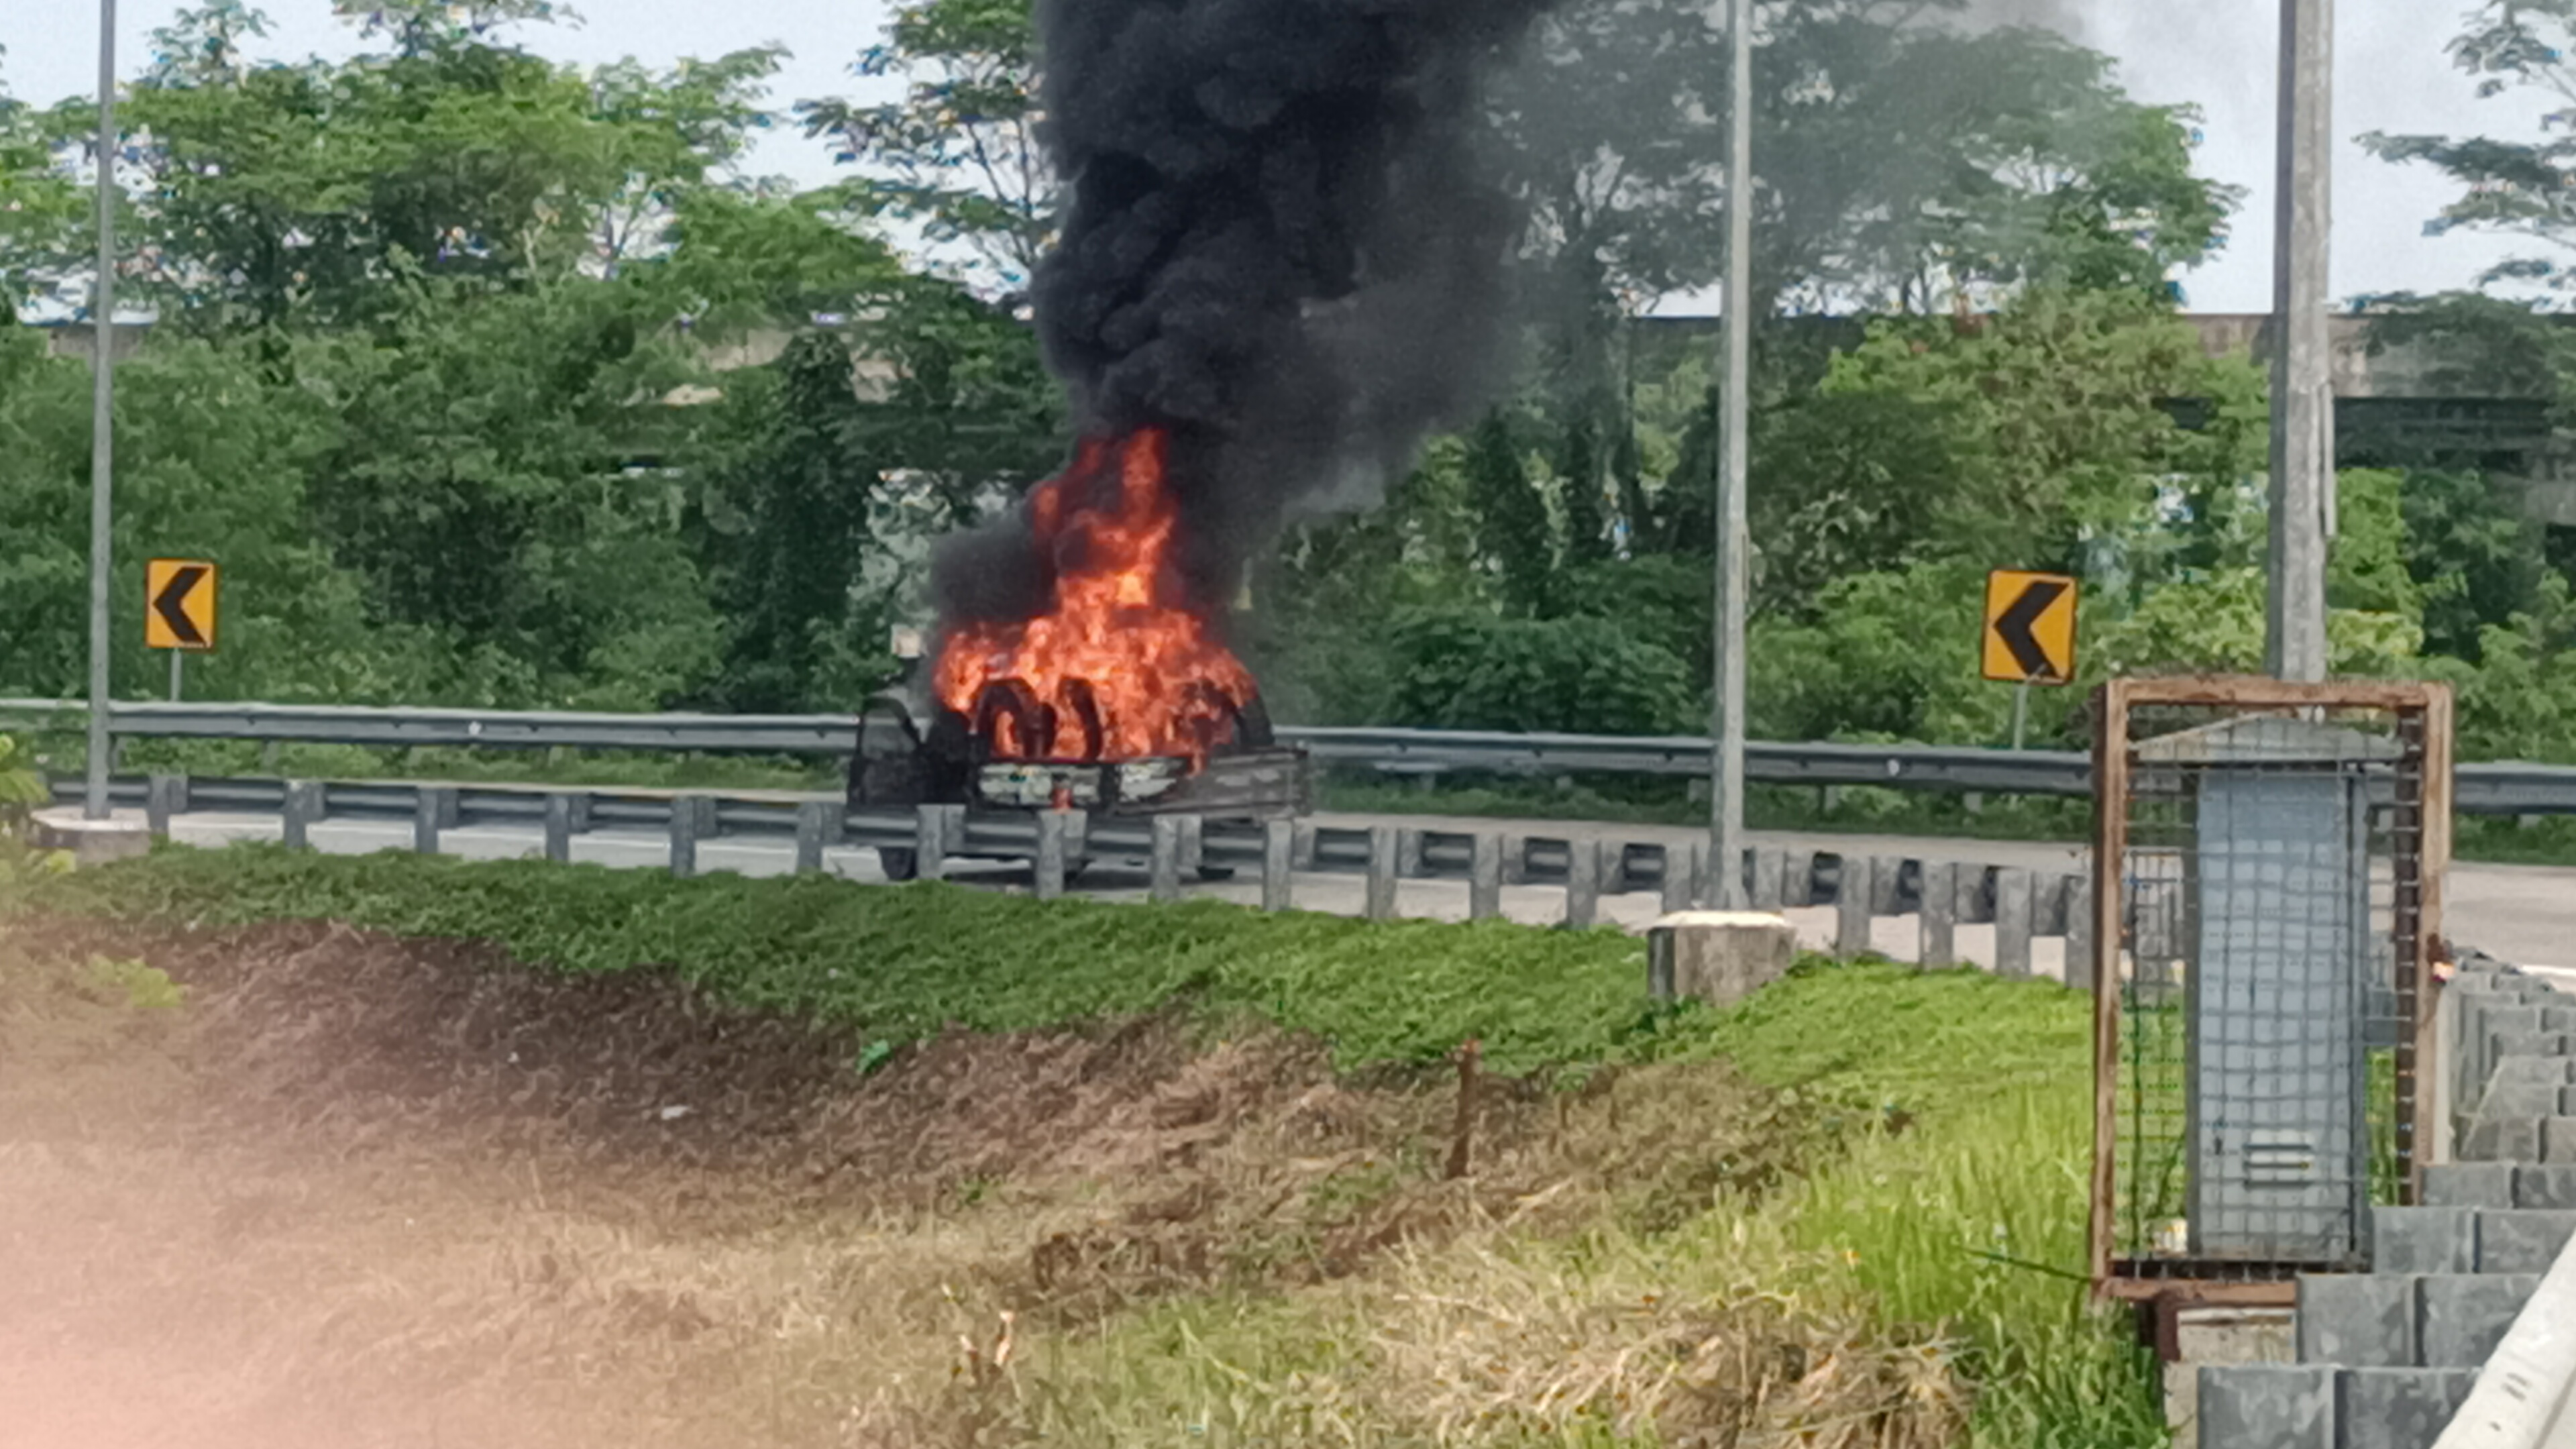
1726, 793
2303, 442
102, 420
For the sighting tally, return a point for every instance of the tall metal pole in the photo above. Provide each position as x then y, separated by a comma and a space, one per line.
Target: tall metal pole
1726, 796
2303, 443
102, 416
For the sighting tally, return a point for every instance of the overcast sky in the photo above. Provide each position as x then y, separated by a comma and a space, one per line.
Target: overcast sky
2394, 76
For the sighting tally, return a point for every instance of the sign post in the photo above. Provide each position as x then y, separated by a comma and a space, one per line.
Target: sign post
179, 597
2029, 636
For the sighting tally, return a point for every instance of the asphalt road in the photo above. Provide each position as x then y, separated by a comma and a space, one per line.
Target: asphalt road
2522, 914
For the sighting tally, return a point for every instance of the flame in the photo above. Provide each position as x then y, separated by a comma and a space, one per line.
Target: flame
1157, 684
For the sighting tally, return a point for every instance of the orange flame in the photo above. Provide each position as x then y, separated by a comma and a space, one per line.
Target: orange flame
1117, 670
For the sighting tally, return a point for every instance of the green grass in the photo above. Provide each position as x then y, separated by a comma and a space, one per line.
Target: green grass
1961, 1205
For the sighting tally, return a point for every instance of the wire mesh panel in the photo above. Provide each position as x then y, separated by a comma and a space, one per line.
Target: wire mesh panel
2268, 860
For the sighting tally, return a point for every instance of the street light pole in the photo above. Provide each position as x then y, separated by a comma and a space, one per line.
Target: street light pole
1726, 794
2303, 442
102, 419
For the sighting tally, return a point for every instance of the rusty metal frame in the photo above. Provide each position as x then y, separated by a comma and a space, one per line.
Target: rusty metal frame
2422, 709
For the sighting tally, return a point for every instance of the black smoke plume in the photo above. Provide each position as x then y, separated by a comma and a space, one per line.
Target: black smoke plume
1281, 245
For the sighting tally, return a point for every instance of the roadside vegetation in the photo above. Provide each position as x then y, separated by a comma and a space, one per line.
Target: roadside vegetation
1852, 1205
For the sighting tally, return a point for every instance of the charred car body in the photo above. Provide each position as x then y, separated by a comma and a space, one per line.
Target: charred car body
914, 750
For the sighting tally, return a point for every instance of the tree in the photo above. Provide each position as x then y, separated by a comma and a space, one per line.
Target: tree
2517, 188
959, 153
269, 194
39, 207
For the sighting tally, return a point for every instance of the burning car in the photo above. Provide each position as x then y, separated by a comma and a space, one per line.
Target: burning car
1119, 700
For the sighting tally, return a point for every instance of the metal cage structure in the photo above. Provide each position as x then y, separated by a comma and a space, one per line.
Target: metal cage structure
2268, 867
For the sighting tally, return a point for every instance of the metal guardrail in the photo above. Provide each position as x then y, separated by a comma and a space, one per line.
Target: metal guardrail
2481, 789
2022, 905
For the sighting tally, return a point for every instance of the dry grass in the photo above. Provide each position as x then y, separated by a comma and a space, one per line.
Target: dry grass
333, 1189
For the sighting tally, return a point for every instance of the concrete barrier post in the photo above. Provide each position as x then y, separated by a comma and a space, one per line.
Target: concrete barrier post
2079, 933
433, 810
1193, 844
559, 828
1053, 828
1940, 915
930, 842
1852, 936
819, 825
2013, 893
1718, 957
1770, 876
1582, 884
1167, 858
1382, 862
1408, 854
1516, 860
1681, 888
165, 796
687, 823
1278, 859
303, 807
1301, 855
1485, 878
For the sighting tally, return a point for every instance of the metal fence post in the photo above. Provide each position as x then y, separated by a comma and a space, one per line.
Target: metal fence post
687, 821
1278, 864
559, 827
1940, 915
2012, 923
1382, 863
1582, 884
1485, 877
1852, 936
1167, 858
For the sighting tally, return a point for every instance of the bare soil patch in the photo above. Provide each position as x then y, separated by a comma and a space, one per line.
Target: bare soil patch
355, 1191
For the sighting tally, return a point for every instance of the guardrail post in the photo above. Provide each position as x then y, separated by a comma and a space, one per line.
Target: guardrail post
1278, 864
303, 807
1193, 844
1940, 915
1798, 882
930, 842
1408, 853
2079, 933
1382, 872
1582, 884
433, 812
1167, 858
687, 823
1681, 886
164, 796
559, 829
1770, 871
1301, 846
1516, 860
2013, 892
1485, 877
819, 824
1852, 893
1054, 827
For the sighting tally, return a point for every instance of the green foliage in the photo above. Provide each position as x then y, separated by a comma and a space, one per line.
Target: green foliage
904, 964
959, 152
1470, 669
1515, 535
2511, 187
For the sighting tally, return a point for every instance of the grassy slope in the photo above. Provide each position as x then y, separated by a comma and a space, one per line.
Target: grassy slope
1964, 1217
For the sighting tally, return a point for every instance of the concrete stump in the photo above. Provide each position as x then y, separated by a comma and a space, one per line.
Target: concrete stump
1719, 957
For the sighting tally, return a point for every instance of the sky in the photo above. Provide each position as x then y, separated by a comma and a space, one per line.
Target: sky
2392, 75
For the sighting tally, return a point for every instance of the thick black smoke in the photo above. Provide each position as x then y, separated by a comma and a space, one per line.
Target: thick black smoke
1281, 245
